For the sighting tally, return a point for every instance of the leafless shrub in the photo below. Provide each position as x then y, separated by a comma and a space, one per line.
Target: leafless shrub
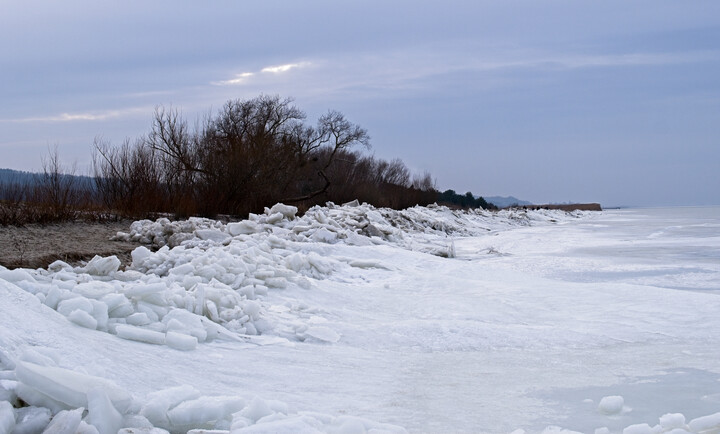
20, 244
56, 194
13, 196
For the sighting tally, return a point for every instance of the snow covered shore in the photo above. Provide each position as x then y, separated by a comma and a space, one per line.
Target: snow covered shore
254, 326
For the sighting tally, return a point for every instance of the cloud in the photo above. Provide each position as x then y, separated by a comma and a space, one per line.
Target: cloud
80, 117
244, 78
239, 79
424, 67
629, 59
284, 68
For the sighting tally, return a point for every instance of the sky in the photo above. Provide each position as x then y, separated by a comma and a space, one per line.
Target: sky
616, 102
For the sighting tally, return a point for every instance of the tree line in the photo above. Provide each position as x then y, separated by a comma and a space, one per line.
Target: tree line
250, 154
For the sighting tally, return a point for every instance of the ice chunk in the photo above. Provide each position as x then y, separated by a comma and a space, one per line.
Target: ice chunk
672, 420
78, 303
158, 403
99, 266
177, 239
33, 397
59, 266
138, 319
145, 289
100, 313
204, 410
256, 410
352, 204
350, 425
180, 320
323, 333
69, 387
136, 421
140, 254
366, 263
611, 405
85, 428
183, 269
54, 296
65, 422
143, 430
83, 319
31, 420
244, 227
5, 361
642, 428
39, 356
705, 423
16, 275
139, 334
153, 311
323, 235
180, 341
7, 392
118, 305
288, 211
208, 431
102, 414
557, 430
301, 424
212, 235
274, 218
7, 417
93, 290
252, 309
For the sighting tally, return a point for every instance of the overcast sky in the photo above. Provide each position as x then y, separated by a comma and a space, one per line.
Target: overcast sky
612, 101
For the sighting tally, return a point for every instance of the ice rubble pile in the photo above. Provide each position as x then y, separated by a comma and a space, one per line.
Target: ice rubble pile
58, 400
208, 279
350, 223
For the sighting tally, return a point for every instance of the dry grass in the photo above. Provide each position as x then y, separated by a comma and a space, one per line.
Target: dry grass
37, 246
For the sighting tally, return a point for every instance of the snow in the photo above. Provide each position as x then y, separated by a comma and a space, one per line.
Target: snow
356, 319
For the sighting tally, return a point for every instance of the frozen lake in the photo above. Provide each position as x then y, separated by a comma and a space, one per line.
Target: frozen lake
526, 327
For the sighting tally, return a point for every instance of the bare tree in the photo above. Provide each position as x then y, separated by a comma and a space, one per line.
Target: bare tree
250, 154
57, 190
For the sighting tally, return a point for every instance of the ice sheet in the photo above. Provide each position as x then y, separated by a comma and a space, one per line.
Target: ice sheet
519, 328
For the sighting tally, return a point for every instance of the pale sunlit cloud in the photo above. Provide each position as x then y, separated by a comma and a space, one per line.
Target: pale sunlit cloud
239, 79
284, 68
80, 117
244, 77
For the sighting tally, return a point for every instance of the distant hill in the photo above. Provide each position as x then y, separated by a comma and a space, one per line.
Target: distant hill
502, 202
8, 176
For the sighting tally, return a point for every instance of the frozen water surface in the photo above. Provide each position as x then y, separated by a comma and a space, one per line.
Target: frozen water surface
352, 318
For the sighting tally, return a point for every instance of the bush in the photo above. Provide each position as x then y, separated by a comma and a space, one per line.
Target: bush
251, 154
468, 200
